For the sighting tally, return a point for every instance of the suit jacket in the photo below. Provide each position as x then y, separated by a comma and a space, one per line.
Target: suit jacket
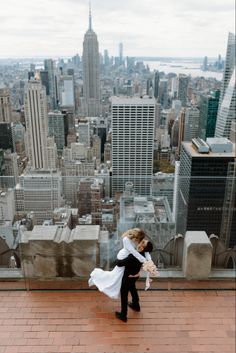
131, 263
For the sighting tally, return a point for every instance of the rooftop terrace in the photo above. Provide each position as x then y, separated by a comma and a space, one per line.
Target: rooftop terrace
180, 321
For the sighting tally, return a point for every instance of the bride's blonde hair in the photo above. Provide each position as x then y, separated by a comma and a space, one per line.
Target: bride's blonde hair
134, 234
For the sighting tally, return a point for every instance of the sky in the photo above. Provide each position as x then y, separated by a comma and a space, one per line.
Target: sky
176, 28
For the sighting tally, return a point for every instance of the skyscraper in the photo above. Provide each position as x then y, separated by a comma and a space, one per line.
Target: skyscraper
205, 63
121, 52
5, 106
56, 128
91, 72
208, 113
49, 68
226, 111
36, 123
132, 143
191, 123
45, 81
39, 191
11, 165
18, 136
156, 84
163, 93
6, 141
183, 88
206, 200
84, 132
67, 92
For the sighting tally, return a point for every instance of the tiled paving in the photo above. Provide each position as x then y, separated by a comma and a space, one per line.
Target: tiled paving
84, 321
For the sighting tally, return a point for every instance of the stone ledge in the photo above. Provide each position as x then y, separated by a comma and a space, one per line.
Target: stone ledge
10, 273
170, 279
222, 274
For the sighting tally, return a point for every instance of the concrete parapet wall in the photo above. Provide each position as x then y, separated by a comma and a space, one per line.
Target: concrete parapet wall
197, 255
49, 251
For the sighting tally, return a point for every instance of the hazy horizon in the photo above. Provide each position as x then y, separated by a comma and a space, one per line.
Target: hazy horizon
143, 57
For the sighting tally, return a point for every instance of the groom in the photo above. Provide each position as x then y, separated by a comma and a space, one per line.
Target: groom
131, 274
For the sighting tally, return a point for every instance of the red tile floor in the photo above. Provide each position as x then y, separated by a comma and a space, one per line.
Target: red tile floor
84, 321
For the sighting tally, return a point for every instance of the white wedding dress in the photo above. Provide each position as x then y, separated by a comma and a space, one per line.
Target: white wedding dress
109, 282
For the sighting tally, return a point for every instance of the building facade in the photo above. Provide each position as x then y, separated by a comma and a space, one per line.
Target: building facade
56, 128
191, 123
67, 92
208, 113
183, 81
133, 122
227, 104
203, 182
84, 132
91, 72
6, 140
40, 192
5, 106
36, 123
51, 85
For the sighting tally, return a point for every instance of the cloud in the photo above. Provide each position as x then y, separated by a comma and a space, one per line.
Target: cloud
204, 6
150, 27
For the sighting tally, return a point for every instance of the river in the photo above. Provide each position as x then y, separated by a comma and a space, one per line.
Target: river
181, 67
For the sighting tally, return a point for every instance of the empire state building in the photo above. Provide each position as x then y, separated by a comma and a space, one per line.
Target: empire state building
91, 72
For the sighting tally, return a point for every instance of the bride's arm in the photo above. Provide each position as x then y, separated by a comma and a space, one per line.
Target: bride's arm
147, 256
130, 247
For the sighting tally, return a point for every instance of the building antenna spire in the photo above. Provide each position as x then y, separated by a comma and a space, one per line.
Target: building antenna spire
90, 16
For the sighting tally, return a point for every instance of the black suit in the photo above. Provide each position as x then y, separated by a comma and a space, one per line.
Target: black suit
132, 267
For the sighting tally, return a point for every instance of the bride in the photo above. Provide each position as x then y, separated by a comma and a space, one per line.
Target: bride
109, 282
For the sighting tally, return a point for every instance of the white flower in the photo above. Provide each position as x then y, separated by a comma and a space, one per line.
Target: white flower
150, 267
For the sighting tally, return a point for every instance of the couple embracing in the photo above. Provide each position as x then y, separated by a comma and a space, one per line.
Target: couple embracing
122, 279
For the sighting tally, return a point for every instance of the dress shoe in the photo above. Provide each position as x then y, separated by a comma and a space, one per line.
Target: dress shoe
134, 307
121, 317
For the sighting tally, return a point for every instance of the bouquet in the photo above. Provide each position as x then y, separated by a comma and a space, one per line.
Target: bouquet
151, 268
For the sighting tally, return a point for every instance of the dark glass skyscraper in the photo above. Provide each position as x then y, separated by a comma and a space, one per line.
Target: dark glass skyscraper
6, 141
206, 190
208, 113
183, 82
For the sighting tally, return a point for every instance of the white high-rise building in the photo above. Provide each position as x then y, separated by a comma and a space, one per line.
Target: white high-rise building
39, 191
84, 132
7, 205
226, 110
67, 92
133, 122
91, 72
191, 123
36, 123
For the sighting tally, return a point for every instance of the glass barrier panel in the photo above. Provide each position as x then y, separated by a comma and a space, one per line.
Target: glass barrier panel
54, 229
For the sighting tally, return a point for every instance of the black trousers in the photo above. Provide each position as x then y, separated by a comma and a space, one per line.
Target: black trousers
128, 285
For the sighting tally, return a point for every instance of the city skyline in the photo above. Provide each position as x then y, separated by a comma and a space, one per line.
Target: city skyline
56, 28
